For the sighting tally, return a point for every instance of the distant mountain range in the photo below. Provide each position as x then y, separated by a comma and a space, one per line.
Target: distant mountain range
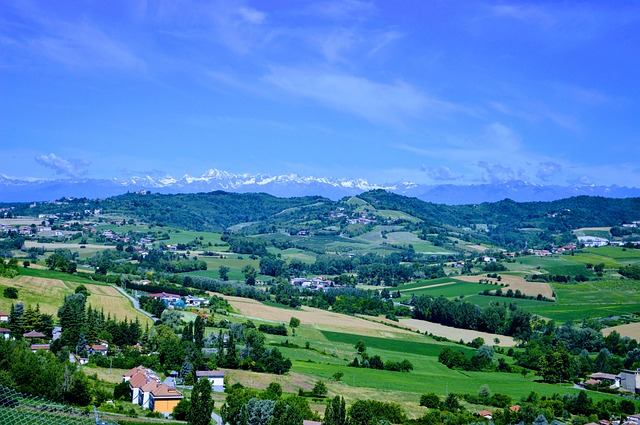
289, 185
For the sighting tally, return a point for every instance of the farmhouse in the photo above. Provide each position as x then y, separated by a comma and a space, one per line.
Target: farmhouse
4, 317
216, 377
5, 332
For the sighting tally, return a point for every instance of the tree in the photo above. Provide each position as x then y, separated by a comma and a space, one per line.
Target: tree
72, 319
336, 413
198, 332
361, 348
81, 289
223, 271
10, 292
182, 409
430, 400
201, 403
319, 389
250, 275
294, 322
258, 412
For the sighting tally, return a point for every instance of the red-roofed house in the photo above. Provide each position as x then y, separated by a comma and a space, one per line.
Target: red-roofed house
38, 347
5, 332
4, 317
485, 414
164, 398
34, 334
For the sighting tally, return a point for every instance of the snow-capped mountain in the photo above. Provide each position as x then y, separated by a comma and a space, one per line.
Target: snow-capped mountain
288, 185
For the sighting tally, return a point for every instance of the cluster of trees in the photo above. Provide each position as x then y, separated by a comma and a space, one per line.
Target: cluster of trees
481, 360
152, 305
244, 348
63, 260
517, 294
493, 319
10, 268
273, 329
376, 362
560, 354
12, 241
245, 406
23, 320
557, 278
42, 374
631, 272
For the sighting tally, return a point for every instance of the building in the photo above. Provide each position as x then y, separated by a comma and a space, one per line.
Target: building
148, 391
593, 241
5, 333
630, 380
216, 377
191, 301
171, 300
4, 317
34, 334
38, 347
164, 398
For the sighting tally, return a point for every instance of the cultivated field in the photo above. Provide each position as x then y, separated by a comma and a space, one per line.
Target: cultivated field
49, 294
320, 319
516, 282
455, 334
54, 245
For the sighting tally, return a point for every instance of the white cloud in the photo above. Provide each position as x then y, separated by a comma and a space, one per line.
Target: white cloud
441, 173
548, 169
252, 16
70, 167
496, 173
377, 102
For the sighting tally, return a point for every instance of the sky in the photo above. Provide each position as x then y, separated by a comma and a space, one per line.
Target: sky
432, 92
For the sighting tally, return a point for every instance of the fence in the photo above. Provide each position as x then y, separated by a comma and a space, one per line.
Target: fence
20, 409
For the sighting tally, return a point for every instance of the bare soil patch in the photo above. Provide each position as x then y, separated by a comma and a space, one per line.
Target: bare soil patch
456, 334
477, 247
516, 282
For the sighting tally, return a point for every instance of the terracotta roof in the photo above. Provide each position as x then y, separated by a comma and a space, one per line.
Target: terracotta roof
601, 375
165, 391
34, 334
163, 294
2, 313
150, 386
99, 347
515, 408
485, 413
138, 380
134, 371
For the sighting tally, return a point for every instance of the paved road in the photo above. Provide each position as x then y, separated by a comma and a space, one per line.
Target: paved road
217, 419
135, 302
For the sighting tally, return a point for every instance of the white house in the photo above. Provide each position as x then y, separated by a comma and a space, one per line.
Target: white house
191, 301
5, 333
4, 317
216, 377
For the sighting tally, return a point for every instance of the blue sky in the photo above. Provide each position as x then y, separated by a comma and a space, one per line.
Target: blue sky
427, 91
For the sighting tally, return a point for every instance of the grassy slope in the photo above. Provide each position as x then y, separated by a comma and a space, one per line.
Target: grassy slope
48, 288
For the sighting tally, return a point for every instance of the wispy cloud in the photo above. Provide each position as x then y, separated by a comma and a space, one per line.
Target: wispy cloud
441, 173
377, 102
496, 173
548, 169
68, 167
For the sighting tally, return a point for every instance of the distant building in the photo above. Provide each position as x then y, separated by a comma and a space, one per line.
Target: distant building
630, 380
216, 377
593, 241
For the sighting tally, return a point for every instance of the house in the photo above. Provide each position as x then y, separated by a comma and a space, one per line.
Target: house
191, 301
164, 398
307, 422
5, 332
34, 334
144, 398
101, 349
77, 359
515, 408
38, 347
635, 419
216, 377
128, 375
611, 379
485, 414
630, 380
4, 317
488, 259
170, 300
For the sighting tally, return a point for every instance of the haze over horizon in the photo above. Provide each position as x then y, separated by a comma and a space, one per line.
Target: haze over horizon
429, 92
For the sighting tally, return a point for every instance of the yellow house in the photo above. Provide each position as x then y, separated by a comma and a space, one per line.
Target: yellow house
164, 398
